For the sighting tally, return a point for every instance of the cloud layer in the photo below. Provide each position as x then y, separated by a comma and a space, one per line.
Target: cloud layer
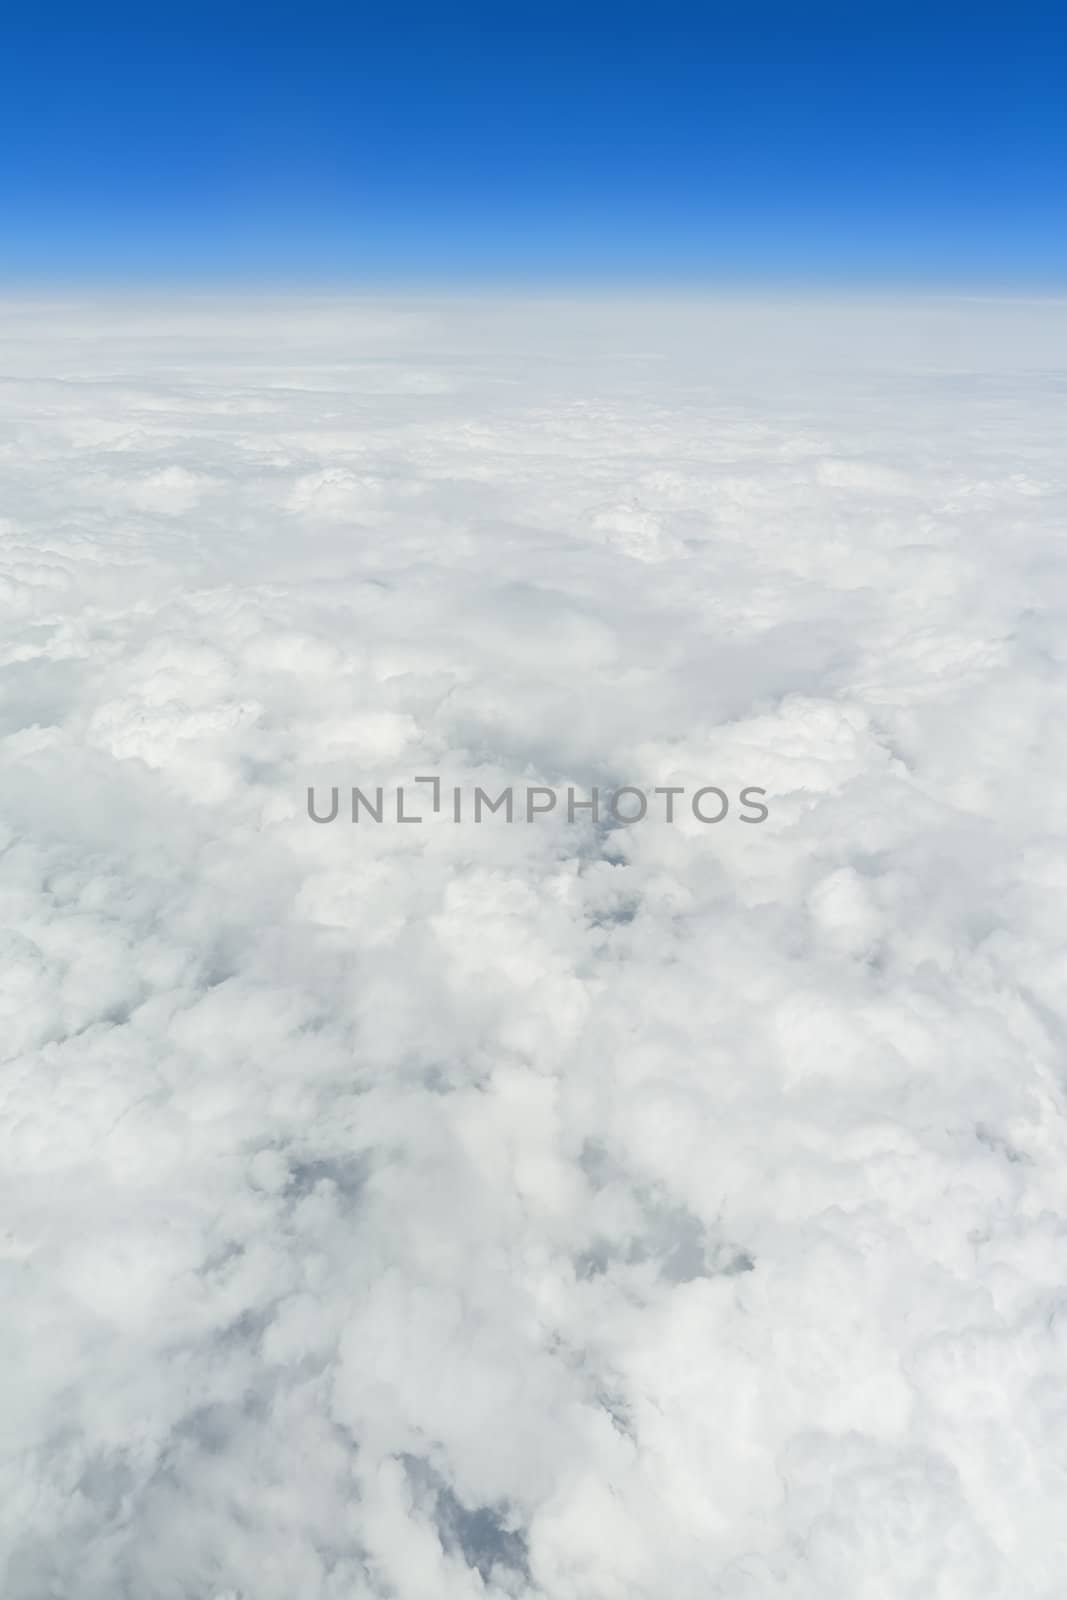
552, 1210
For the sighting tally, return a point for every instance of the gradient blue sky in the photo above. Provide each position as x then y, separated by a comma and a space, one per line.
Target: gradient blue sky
627, 142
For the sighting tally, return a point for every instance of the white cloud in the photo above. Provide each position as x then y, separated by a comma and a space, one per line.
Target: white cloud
532, 1210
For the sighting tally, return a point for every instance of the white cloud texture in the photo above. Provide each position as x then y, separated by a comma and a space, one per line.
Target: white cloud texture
552, 1210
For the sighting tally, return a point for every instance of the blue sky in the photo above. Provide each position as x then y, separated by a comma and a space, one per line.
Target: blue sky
632, 142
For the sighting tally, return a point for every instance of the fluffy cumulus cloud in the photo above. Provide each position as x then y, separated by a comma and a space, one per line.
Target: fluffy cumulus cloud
560, 1210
